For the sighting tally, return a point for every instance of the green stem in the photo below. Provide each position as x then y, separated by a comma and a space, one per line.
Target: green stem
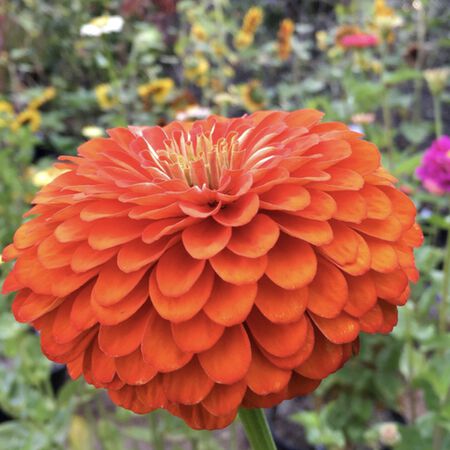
155, 436
437, 115
257, 429
445, 290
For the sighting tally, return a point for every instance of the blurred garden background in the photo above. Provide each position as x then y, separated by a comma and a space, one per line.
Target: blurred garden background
70, 69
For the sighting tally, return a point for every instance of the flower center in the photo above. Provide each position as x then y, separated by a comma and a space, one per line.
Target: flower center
199, 160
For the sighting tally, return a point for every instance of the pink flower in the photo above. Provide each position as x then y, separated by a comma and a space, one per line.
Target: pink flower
434, 171
359, 40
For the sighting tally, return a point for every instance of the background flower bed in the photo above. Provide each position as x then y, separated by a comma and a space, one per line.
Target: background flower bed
70, 70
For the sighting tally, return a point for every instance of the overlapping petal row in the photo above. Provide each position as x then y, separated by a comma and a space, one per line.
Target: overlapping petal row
223, 263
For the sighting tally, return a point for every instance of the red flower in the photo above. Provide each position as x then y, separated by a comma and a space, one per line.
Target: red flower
359, 40
202, 267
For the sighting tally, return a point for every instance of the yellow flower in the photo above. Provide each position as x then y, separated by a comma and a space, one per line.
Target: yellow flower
158, 89
437, 79
105, 97
48, 94
30, 116
385, 17
285, 32
91, 131
243, 39
197, 67
198, 32
253, 96
322, 40
252, 19
42, 177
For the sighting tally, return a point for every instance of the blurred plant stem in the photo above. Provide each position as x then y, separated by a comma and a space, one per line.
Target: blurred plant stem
155, 436
409, 343
257, 429
387, 123
437, 109
443, 311
421, 26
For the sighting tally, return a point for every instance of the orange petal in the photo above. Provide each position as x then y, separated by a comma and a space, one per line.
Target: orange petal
29, 306
313, 231
132, 369
351, 206
263, 377
72, 230
188, 385
278, 339
101, 209
177, 271
228, 361
389, 229
102, 366
285, 197
107, 233
125, 337
186, 306
82, 315
113, 285
123, 309
196, 334
159, 228
339, 330
413, 237
85, 257
292, 263
152, 393
300, 386
322, 206
52, 254
390, 285
325, 301
404, 209
229, 304
159, 348
205, 239
239, 212
63, 329
128, 398
32, 232
325, 359
341, 180
303, 118
390, 317
365, 157
280, 305
224, 399
372, 320
348, 250
256, 238
383, 255
377, 202
301, 355
137, 254
198, 418
237, 269
362, 295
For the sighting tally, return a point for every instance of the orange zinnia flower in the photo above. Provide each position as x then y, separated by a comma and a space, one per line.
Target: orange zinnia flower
205, 266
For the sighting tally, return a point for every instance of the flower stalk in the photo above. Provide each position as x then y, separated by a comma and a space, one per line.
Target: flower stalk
257, 429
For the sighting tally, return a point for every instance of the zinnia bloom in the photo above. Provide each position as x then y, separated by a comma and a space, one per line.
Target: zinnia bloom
359, 40
205, 266
434, 171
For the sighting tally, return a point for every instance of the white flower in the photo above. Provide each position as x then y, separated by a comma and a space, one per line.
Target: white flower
91, 131
388, 433
102, 25
193, 112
